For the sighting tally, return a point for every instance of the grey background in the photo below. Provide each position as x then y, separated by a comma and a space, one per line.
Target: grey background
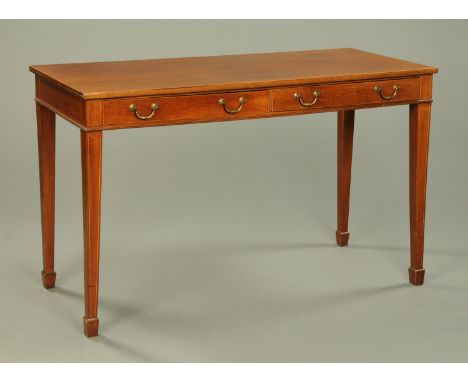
218, 239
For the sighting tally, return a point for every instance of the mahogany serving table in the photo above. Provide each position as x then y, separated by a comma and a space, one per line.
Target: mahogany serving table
129, 94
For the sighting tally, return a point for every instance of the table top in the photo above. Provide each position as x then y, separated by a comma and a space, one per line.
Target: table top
96, 80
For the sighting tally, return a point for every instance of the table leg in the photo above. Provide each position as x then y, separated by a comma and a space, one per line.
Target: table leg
420, 116
46, 148
345, 156
91, 167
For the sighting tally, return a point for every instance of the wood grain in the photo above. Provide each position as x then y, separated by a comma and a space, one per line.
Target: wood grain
344, 160
183, 108
96, 97
242, 116
46, 149
91, 166
220, 73
56, 99
351, 94
420, 117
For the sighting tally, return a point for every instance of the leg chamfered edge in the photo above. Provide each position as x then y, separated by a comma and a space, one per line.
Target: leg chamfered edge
48, 279
91, 326
416, 276
342, 238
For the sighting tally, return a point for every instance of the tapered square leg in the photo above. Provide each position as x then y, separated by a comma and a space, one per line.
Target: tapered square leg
345, 156
420, 116
46, 149
91, 165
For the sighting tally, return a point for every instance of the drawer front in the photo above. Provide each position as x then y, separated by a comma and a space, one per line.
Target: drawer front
351, 94
190, 108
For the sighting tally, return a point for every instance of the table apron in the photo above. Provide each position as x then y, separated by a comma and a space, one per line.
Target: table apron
134, 112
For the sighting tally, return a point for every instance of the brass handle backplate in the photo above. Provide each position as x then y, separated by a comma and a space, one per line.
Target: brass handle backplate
307, 104
222, 102
154, 107
378, 89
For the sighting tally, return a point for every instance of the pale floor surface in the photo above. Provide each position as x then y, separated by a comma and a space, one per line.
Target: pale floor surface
218, 244
218, 240
294, 297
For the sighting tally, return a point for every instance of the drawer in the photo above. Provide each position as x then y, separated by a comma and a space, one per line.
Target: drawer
351, 94
189, 108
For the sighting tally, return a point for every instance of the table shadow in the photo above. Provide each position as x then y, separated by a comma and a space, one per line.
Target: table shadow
175, 323
127, 350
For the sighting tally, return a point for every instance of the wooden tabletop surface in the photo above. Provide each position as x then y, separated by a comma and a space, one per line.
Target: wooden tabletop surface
112, 79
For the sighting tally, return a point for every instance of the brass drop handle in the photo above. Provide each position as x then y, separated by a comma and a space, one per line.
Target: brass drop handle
378, 89
307, 104
154, 107
222, 102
